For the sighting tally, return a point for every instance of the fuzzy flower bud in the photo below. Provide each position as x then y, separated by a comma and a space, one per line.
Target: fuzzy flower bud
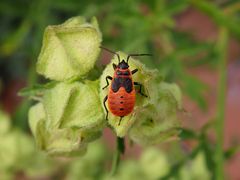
69, 50
69, 117
158, 121
154, 119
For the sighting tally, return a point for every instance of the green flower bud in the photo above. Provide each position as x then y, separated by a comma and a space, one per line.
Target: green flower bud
89, 166
74, 105
195, 169
69, 117
69, 50
15, 146
144, 76
128, 170
7, 142
65, 142
158, 121
154, 163
17, 153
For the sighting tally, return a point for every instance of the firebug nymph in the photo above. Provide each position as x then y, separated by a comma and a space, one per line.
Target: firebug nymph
121, 94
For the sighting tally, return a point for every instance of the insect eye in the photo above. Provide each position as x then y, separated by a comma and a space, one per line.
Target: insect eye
126, 73
119, 73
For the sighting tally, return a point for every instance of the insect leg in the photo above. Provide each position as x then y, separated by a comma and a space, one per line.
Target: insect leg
134, 71
104, 103
108, 77
140, 91
114, 66
120, 120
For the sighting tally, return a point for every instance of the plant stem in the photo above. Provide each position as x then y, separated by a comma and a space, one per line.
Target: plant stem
120, 148
219, 126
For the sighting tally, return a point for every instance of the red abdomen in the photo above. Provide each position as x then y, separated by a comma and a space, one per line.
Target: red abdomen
121, 103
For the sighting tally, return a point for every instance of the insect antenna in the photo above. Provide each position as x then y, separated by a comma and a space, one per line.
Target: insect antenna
111, 52
137, 55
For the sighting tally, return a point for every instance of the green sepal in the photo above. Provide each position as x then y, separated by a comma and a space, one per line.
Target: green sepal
159, 120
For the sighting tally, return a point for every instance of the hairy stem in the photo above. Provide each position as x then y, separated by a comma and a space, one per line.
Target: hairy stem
219, 126
120, 148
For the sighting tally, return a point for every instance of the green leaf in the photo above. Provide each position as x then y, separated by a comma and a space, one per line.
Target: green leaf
232, 151
187, 134
36, 90
208, 150
15, 40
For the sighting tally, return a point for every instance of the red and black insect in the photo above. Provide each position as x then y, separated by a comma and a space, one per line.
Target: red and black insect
121, 94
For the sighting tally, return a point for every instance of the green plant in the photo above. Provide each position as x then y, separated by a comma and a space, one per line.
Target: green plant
130, 26
69, 114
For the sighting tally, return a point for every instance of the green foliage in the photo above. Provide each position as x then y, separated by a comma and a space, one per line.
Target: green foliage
129, 26
219, 17
69, 114
197, 169
17, 153
90, 166
62, 123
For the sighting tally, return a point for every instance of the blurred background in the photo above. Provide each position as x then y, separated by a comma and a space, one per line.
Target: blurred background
194, 43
